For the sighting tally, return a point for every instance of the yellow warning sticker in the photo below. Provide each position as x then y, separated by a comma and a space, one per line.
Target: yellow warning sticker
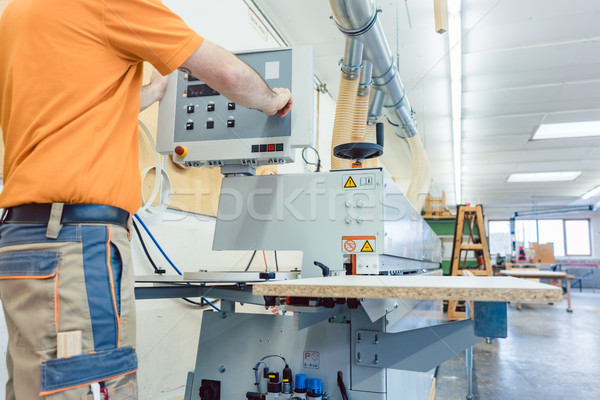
367, 248
349, 183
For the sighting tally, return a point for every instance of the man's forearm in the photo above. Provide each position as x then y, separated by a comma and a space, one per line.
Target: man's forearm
235, 80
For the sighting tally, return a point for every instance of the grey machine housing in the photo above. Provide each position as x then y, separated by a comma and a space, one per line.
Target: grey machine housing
319, 213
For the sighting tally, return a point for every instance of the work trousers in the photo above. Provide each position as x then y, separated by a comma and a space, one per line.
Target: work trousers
81, 280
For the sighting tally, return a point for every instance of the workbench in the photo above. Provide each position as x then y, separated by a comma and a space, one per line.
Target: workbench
558, 275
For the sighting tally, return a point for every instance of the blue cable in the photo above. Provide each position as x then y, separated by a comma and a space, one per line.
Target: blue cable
167, 257
211, 304
156, 243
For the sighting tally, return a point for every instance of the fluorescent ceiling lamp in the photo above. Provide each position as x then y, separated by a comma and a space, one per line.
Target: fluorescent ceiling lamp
567, 130
454, 41
545, 176
591, 193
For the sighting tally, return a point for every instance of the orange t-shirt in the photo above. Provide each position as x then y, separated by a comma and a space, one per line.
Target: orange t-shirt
70, 79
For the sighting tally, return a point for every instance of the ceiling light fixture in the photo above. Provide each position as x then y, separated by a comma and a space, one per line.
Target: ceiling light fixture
455, 45
567, 130
591, 193
544, 177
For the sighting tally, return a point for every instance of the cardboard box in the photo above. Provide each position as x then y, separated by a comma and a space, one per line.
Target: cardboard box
543, 253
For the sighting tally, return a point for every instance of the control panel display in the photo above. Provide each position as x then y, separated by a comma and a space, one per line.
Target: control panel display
201, 90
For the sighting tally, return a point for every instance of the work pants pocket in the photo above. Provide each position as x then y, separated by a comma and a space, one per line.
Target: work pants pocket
26, 278
114, 368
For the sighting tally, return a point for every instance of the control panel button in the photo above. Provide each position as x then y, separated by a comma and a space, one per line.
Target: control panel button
263, 148
231, 123
279, 147
190, 109
189, 126
181, 151
210, 107
271, 147
255, 148
210, 124
231, 106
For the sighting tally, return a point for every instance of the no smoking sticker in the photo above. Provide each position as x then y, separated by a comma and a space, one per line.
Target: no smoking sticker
358, 244
350, 245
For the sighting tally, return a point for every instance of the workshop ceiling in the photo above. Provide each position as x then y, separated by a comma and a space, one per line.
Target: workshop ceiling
524, 63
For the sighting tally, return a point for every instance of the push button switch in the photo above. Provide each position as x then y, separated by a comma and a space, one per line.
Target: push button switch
189, 126
210, 124
210, 107
230, 123
231, 106
190, 109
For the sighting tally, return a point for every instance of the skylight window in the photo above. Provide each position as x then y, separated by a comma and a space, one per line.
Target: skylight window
567, 130
545, 176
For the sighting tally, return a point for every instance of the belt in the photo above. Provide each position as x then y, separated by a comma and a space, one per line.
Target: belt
72, 214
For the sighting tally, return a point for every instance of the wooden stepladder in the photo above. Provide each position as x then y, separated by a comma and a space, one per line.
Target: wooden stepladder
476, 241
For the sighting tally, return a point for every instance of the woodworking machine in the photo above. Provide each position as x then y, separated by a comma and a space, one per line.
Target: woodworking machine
353, 223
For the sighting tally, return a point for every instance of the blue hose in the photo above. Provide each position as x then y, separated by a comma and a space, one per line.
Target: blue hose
157, 245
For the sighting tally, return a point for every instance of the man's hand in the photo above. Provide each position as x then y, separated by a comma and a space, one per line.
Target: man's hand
153, 91
283, 102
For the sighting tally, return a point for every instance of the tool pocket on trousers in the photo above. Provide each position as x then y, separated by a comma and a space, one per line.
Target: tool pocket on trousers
26, 278
112, 367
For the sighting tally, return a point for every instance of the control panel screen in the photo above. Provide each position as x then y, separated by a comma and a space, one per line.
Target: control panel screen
201, 90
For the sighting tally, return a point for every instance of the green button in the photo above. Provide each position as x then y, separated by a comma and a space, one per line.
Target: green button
279, 147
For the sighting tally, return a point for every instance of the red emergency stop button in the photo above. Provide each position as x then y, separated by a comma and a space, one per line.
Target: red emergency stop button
181, 151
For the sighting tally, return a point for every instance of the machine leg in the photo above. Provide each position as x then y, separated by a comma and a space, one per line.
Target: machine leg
569, 309
469, 358
469, 365
188, 386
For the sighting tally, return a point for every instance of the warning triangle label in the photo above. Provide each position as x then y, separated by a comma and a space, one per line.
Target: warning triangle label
367, 248
350, 184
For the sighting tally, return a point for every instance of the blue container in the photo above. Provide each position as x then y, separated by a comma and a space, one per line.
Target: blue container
300, 383
314, 386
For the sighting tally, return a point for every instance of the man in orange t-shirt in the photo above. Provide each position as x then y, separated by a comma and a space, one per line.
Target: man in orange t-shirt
70, 78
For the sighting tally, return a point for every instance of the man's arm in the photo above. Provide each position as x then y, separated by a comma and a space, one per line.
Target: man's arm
235, 80
153, 91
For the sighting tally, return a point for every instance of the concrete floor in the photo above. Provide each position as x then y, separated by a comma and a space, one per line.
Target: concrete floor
549, 355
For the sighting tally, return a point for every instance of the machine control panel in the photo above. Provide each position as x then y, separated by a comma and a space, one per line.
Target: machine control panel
218, 132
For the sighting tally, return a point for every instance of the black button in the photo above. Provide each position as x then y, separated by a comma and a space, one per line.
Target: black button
210, 124
210, 107
263, 148
230, 123
190, 109
255, 148
189, 126
231, 106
